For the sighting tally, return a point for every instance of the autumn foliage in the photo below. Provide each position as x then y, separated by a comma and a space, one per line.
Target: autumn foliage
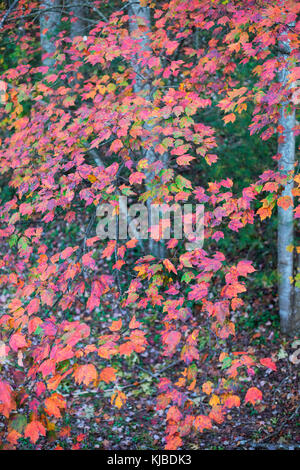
74, 136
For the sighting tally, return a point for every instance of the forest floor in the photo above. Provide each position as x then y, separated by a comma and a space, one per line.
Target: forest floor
272, 424
93, 423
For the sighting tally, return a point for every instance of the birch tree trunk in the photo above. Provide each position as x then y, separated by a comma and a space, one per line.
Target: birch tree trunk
285, 217
142, 86
78, 10
296, 310
49, 20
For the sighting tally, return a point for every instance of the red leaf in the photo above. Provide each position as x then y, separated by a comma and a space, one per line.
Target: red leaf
17, 341
267, 362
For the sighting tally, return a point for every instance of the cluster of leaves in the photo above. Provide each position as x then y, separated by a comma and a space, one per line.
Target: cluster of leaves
78, 134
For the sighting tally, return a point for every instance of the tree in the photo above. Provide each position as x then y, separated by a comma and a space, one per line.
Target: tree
140, 29
77, 10
50, 13
140, 94
288, 294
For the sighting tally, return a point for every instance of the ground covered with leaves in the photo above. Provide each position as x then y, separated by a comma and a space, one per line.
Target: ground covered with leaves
273, 423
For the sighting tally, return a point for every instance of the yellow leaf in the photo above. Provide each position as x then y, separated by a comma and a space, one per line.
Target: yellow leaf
92, 178
215, 400
207, 387
118, 399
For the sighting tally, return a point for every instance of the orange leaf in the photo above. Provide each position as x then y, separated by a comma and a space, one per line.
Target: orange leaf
116, 145
53, 405
108, 374
118, 399
133, 323
169, 266
13, 437
232, 401
285, 202
253, 395
116, 325
33, 430
207, 387
229, 118
215, 400
216, 414
173, 442
85, 374
202, 422
174, 414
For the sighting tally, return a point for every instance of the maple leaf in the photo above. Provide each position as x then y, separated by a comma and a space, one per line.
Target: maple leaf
134, 323
171, 339
17, 341
85, 374
108, 251
137, 177
245, 267
53, 405
13, 436
118, 399
214, 400
34, 430
267, 362
207, 387
232, 401
229, 118
108, 374
116, 145
184, 160
118, 264
253, 395
169, 266
174, 414
202, 422
216, 414
285, 202
173, 442
116, 325
5, 393
68, 252
33, 306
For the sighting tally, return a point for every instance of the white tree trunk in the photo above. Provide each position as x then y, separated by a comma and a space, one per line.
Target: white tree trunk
142, 86
285, 217
296, 309
77, 8
50, 13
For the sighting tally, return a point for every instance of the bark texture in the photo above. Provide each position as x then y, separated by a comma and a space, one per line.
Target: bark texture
288, 299
78, 9
50, 13
138, 15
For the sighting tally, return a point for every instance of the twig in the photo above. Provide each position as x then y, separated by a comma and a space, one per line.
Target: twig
8, 12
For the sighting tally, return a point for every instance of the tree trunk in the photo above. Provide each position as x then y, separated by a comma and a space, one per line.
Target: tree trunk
142, 86
50, 13
78, 10
287, 297
295, 324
